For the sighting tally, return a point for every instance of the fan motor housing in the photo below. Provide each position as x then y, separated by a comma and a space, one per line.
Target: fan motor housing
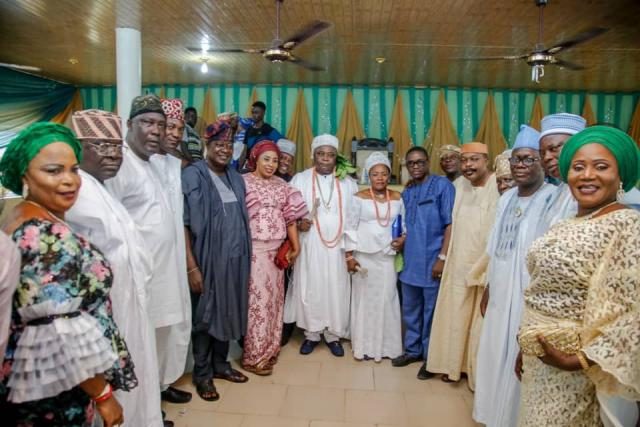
540, 59
277, 55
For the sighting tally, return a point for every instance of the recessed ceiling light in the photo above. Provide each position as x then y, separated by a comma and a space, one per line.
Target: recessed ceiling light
204, 68
380, 59
73, 61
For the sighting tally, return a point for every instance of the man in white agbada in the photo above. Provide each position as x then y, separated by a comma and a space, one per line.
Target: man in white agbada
457, 320
556, 129
167, 164
98, 216
318, 298
147, 200
497, 393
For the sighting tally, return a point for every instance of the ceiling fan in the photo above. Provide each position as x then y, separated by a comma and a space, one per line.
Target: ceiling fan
20, 67
280, 51
540, 56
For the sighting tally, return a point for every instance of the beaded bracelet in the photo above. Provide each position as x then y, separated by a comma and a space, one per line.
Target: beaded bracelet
192, 270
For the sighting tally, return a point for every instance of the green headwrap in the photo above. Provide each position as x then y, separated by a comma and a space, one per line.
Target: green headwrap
623, 148
26, 145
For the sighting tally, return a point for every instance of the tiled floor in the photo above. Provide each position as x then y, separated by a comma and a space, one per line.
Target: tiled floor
320, 390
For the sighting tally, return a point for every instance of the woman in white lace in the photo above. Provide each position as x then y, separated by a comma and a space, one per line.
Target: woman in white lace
580, 332
375, 306
65, 354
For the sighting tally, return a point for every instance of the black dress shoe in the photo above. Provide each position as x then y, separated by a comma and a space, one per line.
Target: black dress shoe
336, 348
405, 360
423, 374
173, 395
308, 346
166, 423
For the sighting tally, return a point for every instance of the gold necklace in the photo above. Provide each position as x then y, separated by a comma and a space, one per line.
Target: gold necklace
597, 211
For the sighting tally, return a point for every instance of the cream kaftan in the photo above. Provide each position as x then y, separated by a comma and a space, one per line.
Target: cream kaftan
457, 320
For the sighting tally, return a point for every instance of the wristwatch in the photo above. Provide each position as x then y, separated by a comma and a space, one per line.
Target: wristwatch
442, 257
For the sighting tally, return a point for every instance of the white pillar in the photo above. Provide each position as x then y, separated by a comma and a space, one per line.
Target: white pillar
128, 70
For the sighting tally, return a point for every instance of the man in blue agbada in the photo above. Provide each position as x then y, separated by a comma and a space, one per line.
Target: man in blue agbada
428, 200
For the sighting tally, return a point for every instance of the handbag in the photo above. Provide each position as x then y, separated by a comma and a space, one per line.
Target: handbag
281, 256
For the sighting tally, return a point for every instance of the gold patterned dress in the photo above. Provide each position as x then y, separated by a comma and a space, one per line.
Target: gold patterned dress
584, 296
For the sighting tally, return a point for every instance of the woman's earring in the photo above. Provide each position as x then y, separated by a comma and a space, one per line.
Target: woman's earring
620, 194
25, 191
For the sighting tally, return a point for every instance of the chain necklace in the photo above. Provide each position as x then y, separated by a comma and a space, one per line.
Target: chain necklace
597, 211
333, 242
387, 218
327, 203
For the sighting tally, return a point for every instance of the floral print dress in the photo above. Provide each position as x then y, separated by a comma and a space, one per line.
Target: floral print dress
62, 330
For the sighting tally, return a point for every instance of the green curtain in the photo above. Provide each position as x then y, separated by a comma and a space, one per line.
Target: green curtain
375, 105
25, 99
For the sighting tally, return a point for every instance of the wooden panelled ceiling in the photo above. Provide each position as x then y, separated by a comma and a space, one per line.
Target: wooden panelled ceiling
417, 37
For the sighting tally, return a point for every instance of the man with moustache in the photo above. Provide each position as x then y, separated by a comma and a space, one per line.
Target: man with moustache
216, 229
457, 319
319, 295
101, 218
428, 201
138, 188
556, 130
168, 167
497, 393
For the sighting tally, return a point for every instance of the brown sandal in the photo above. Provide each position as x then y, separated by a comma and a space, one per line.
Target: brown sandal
207, 391
262, 371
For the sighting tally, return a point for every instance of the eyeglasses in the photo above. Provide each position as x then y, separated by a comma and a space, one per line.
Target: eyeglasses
527, 161
413, 163
105, 149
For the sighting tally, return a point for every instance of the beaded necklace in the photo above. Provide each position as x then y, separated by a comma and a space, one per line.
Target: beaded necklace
333, 242
387, 218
